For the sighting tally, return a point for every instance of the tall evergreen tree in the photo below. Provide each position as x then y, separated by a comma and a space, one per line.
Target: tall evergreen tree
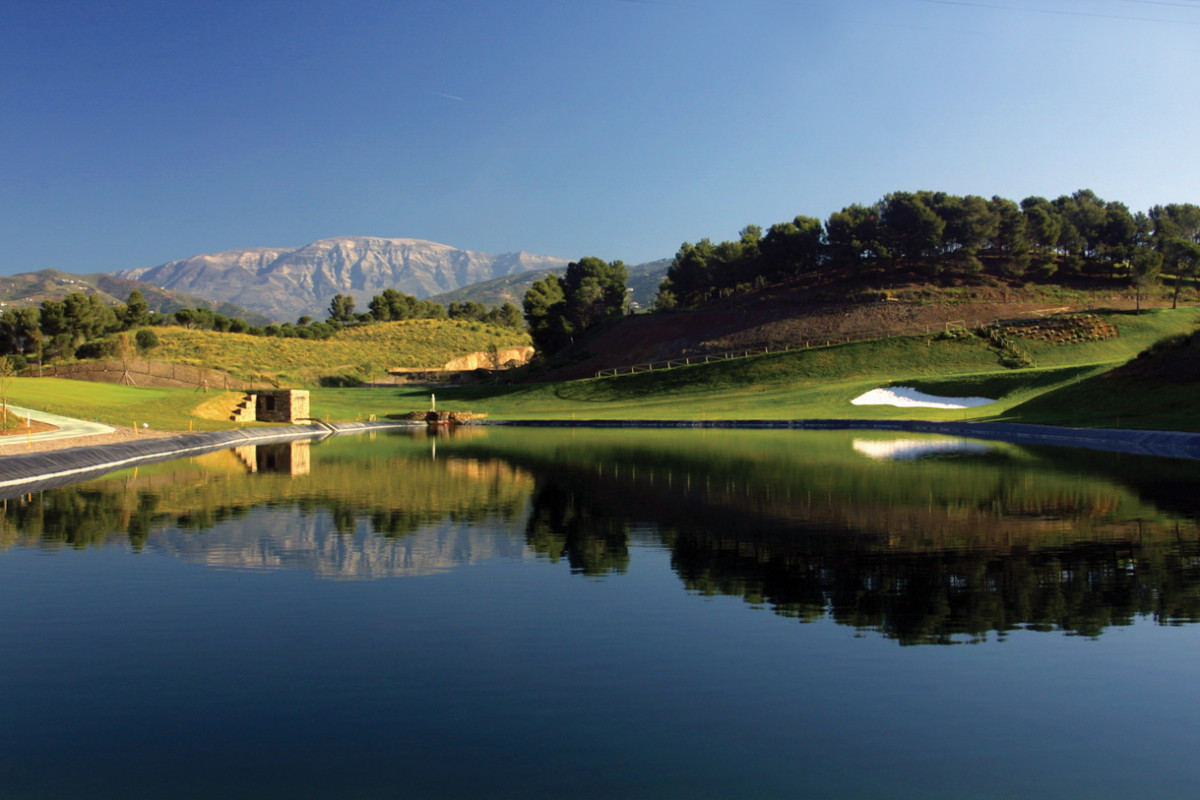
557, 310
136, 312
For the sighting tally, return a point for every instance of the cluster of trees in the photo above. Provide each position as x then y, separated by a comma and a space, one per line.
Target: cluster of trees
934, 232
207, 320
84, 325
558, 310
58, 327
394, 305
504, 316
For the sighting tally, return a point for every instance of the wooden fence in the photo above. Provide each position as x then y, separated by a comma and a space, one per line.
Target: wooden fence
136, 372
911, 330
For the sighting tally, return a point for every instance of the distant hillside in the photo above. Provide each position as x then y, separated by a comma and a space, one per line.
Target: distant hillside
285, 283
31, 288
643, 280
506, 289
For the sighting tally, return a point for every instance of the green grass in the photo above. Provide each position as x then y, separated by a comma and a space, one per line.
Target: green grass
164, 409
584, 400
1096, 403
820, 383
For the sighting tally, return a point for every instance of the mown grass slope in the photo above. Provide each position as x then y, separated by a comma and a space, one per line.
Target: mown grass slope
1159, 389
113, 404
1069, 387
816, 383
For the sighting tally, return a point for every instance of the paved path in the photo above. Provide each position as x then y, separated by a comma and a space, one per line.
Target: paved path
68, 428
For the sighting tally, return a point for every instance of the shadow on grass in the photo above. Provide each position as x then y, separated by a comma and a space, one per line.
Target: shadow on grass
1104, 400
1000, 385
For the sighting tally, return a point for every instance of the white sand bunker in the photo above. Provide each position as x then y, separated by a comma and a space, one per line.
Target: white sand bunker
908, 397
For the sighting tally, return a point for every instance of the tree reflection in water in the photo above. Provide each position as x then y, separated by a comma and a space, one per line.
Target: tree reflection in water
947, 548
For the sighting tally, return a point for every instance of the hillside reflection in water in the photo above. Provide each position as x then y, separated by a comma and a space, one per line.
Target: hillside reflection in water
511, 613
922, 539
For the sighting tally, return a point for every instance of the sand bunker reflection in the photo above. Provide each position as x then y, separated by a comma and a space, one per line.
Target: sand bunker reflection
909, 449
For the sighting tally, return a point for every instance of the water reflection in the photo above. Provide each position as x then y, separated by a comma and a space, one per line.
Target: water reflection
285, 458
290, 538
907, 449
950, 548
927, 540
364, 507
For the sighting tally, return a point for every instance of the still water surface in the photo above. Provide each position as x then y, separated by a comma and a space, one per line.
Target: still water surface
653, 614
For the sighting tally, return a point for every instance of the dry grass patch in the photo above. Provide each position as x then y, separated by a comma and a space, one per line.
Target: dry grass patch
362, 352
219, 406
14, 425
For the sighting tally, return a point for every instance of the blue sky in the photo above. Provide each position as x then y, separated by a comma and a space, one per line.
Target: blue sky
135, 133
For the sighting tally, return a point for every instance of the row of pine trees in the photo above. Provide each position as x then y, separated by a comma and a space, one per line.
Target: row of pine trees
931, 233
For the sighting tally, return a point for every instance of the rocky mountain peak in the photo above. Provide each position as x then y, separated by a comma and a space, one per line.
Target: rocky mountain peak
285, 283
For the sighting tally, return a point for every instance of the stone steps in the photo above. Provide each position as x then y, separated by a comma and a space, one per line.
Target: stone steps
244, 411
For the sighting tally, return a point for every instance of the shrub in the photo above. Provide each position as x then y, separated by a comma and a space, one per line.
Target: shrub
345, 380
100, 348
146, 339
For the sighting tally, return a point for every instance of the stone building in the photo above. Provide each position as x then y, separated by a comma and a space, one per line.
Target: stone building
281, 405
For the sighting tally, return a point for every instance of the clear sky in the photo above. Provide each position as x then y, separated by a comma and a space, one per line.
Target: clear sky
134, 133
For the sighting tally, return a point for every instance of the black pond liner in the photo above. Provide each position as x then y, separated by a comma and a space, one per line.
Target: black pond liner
31, 472
23, 473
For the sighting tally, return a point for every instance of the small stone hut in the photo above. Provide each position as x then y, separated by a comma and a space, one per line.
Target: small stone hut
281, 405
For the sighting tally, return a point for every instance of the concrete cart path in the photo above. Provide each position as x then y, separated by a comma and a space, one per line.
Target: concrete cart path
68, 428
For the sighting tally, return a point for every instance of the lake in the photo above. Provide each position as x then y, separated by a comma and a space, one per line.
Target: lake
529, 613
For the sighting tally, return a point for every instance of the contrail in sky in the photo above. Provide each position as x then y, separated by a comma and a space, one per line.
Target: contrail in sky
448, 96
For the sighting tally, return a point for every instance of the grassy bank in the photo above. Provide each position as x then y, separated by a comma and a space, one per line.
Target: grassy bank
130, 406
820, 383
1066, 388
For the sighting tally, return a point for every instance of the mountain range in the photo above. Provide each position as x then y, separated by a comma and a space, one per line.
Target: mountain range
643, 281
34, 288
285, 283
